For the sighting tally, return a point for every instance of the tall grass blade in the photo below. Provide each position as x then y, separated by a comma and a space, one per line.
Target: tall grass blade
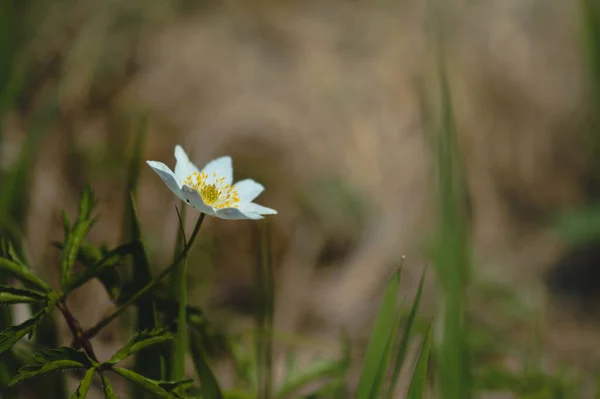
148, 362
450, 252
403, 346
590, 13
378, 342
419, 378
264, 336
208, 382
178, 365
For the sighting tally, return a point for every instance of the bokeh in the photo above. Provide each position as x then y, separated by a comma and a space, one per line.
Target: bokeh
330, 105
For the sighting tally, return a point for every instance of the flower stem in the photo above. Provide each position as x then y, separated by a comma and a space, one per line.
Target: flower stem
171, 268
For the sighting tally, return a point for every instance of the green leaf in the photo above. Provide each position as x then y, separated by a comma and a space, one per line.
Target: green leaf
140, 341
76, 235
13, 334
65, 358
12, 295
378, 342
110, 260
160, 389
419, 379
84, 385
89, 255
403, 347
208, 382
109, 392
22, 272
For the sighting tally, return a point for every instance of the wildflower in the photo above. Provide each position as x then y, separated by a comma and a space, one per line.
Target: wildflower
211, 190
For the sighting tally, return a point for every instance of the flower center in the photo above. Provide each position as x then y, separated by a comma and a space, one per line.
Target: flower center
213, 191
209, 193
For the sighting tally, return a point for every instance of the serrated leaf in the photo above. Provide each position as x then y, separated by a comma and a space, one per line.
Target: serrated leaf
12, 295
64, 353
85, 385
109, 392
13, 334
110, 260
22, 272
376, 348
419, 379
160, 389
140, 341
89, 255
76, 235
65, 358
208, 382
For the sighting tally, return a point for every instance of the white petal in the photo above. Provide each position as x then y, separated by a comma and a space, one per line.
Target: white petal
167, 175
221, 167
255, 208
183, 167
248, 190
195, 200
234, 213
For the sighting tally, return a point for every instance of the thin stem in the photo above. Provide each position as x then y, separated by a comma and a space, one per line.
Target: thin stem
172, 267
79, 339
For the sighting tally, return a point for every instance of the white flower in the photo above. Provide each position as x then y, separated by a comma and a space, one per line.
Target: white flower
211, 191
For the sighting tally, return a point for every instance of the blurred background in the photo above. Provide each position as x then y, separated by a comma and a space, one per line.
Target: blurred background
323, 102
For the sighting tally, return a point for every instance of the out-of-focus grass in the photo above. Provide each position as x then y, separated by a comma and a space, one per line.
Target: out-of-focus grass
450, 250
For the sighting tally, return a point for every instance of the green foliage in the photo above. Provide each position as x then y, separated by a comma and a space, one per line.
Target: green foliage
403, 346
140, 341
264, 313
13, 334
74, 236
208, 382
85, 385
11, 295
102, 267
109, 392
419, 379
450, 249
178, 366
379, 347
104, 264
159, 389
65, 358
13, 266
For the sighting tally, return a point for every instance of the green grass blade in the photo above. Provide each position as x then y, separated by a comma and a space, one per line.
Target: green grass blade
331, 369
148, 362
590, 23
450, 253
208, 382
378, 342
178, 365
403, 347
419, 378
264, 336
